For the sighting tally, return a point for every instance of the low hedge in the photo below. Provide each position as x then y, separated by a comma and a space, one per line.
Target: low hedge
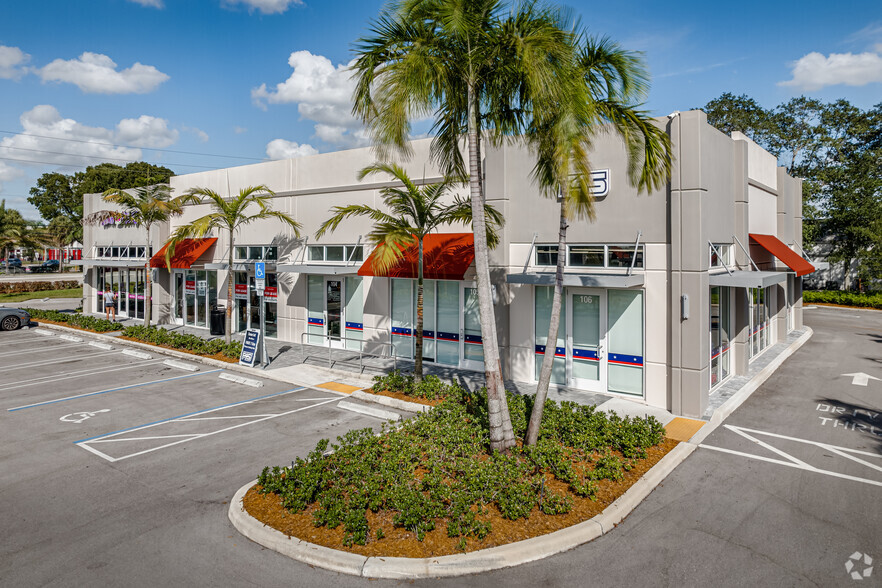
437, 469
153, 335
41, 286
183, 341
845, 298
431, 388
81, 321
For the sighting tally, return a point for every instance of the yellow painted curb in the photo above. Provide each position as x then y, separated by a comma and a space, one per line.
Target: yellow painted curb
681, 429
338, 387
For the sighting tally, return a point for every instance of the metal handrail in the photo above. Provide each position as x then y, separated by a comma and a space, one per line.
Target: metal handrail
361, 352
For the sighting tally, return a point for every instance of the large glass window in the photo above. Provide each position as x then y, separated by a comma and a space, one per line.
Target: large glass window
759, 320
625, 340
256, 253
583, 255
542, 321
719, 319
315, 311
441, 315
586, 255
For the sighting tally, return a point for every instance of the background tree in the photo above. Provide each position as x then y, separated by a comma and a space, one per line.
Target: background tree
58, 194
13, 231
228, 215
59, 234
413, 213
601, 95
143, 207
476, 66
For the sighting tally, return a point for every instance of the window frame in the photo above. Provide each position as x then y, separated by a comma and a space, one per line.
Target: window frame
606, 247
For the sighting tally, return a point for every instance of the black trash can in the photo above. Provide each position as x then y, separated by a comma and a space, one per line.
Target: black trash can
218, 315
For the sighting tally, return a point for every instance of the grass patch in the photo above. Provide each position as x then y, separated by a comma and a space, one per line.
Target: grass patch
435, 476
21, 297
844, 298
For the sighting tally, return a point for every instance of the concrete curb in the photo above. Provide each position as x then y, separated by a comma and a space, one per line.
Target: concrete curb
390, 402
482, 560
744, 393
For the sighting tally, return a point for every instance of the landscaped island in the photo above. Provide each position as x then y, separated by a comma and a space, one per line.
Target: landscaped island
431, 487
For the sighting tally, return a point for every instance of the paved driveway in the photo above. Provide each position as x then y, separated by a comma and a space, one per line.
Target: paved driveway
782, 496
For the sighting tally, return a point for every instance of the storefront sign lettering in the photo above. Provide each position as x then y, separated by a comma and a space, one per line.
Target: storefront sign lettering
190, 287
202, 286
241, 291
270, 292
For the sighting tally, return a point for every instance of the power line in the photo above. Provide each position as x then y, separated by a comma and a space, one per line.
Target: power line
131, 146
101, 157
128, 160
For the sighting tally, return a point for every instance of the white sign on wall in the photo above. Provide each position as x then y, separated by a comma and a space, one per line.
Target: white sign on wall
599, 184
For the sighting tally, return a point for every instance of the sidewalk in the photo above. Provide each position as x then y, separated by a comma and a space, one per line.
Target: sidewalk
314, 364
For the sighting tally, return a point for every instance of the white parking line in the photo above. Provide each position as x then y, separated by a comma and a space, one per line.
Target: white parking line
792, 462
54, 361
40, 348
70, 375
183, 438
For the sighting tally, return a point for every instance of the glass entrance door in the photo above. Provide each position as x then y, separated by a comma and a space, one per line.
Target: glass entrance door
586, 359
472, 342
334, 311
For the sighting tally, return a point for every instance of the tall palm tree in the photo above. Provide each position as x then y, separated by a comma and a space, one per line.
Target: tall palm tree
413, 213
142, 207
478, 66
228, 214
606, 82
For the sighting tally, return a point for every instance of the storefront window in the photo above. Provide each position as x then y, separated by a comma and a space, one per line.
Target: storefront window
586, 255
542, 321
759, 320
625, 340
720, 312
546, 254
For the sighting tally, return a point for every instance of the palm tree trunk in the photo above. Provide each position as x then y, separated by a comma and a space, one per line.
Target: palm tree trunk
228, 319
501, 432
148, 285
553, 328
418, 358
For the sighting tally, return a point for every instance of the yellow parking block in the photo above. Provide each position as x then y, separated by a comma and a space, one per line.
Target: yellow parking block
338, 387
681, 429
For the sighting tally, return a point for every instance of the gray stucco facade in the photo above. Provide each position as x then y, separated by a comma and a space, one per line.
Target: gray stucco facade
660, 325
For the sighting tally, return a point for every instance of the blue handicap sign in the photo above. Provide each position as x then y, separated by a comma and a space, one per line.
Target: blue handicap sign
260, 270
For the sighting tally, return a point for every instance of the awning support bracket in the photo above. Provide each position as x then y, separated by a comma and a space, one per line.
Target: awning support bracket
720, 257
530, 253
636, 248
746, 252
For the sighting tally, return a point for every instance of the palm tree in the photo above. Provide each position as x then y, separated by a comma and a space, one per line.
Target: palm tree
414, 212
607, 82
479, 66
13, 230
143, 207
228, 214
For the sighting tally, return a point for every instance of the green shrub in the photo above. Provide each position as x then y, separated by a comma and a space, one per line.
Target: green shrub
191, 343
431, 388
75, 320
438, 466
34, 286
843, 297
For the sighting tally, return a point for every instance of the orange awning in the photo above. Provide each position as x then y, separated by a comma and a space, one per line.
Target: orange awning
446, 256
776, 247
186, 253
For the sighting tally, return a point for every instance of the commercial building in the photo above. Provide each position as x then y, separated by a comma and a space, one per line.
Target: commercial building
667, 294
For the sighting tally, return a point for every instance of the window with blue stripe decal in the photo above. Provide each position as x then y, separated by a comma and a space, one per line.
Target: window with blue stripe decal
625, 341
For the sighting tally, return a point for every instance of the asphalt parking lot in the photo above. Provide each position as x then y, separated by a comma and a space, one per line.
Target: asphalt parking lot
116, 468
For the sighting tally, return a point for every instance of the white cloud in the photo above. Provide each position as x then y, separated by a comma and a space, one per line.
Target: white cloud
264, 6
149, 3
146, 131
323, 94
12, 60
814, 71
202, 135
96, 73
282, 149
82, 145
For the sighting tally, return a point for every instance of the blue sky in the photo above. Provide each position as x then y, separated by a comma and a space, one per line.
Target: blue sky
182, 82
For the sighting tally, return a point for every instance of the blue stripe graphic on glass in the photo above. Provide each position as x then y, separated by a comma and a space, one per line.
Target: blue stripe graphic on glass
474, 339
428, 334
316, 321
585, 354
558, 351
442, 336
621, 359
354, 326
401, 331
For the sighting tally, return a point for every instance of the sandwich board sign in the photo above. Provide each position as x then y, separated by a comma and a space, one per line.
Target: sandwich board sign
250, 348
